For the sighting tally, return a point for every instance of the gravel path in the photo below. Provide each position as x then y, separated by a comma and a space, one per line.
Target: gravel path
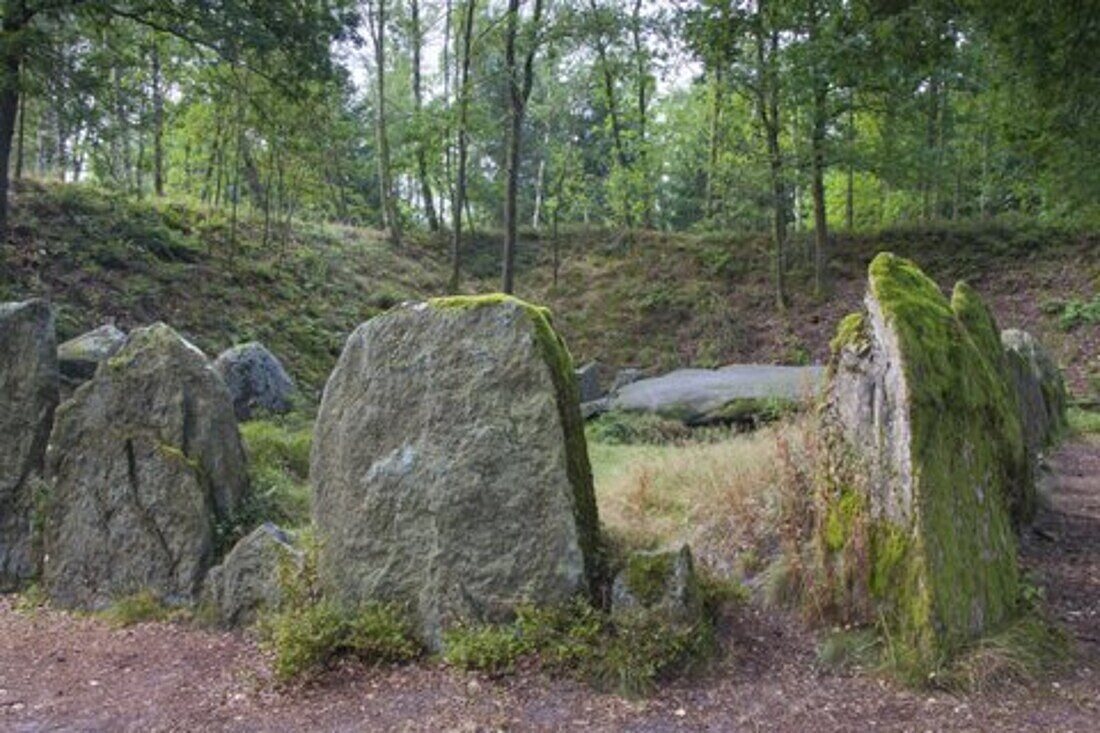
63, 672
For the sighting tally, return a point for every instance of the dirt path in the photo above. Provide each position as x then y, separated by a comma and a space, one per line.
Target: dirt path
66, 673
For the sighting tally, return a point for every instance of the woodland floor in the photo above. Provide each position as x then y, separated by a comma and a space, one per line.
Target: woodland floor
66, 673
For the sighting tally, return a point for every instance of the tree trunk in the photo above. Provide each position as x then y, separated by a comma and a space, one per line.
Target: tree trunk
9, 102
463, 110
158, 123
817, 168
421, 153
376, 19
519, 91
641, 68
767, 111
21, 135
540, 177
709, 204
849, 201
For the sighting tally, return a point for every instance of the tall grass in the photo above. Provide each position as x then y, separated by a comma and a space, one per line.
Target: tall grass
721, 496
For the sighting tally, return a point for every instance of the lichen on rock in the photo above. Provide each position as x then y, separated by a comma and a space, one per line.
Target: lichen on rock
926, 460
28, 397
145, 464
450, 468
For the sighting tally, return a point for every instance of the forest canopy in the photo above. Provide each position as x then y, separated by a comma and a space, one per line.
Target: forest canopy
686, 115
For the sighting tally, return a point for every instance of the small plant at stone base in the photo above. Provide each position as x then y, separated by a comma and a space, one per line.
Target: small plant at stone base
309, 631
138, 608
1023, 651
487, 648
307, 639
851, 648
628, 653
644, 648
31, 599
1083, 422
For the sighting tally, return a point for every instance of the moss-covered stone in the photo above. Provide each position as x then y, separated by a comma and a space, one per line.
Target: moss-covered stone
922, 423
852, 333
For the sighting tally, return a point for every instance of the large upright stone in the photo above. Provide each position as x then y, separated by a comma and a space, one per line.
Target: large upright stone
449, 465
145, 462
256, 380
1040, 389
28, 396
926, 457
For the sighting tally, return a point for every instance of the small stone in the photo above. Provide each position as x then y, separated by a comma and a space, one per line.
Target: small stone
247, 580
256, 379
663, 581
79, 357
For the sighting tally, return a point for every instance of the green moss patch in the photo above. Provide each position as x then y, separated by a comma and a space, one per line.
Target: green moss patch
852, 332
947, 572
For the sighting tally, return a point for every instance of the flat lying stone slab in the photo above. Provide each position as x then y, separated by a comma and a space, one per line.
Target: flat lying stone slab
699, 396
79, 357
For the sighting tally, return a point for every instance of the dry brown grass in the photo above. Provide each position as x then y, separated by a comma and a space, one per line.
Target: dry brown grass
722, 498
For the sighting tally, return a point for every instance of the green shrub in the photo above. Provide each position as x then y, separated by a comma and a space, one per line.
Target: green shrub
381, 633
627, 428
628, 652
32, 598
1083, 422
307, 639
309, 631
644, 648
304, 639
137, 608
1078, 312
487, 648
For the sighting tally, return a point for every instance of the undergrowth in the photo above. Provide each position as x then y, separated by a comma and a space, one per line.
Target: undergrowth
308, 632
1082, 421
141, 607
628, 653
278, 468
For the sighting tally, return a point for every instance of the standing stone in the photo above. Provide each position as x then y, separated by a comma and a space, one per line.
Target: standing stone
449, 465
145, 463
663, 581
925, 457
28, 396
247, 581
256, 380
78, 358
588, 381
1040, 389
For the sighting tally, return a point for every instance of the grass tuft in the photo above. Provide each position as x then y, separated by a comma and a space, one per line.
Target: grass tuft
137, 608
628, 653
1026, 650
278, 467
1083, 422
